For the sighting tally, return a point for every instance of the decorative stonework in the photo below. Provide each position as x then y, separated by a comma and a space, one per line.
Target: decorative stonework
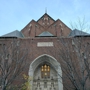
52, 83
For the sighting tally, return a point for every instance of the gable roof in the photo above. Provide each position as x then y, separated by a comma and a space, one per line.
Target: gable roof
44, 15
76, 32
45, 34
15, 33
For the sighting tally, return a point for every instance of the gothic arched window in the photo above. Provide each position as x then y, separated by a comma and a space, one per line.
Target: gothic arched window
45, 71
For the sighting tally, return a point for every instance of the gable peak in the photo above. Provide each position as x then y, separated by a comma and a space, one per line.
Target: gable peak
45, 15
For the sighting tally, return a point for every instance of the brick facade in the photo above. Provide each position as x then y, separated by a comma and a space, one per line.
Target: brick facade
45, 46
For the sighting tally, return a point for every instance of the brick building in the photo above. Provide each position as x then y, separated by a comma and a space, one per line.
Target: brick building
42, 37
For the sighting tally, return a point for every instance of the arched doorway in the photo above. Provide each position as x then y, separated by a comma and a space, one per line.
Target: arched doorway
46, 73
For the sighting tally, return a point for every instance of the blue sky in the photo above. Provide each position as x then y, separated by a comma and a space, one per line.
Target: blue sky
15, 14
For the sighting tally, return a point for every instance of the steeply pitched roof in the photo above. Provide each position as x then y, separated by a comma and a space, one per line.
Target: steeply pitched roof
15, 33
76, 32
44, 15
45, 34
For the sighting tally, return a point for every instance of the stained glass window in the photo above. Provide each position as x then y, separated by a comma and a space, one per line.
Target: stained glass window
45, 71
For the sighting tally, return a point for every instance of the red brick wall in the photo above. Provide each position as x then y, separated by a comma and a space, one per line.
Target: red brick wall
46, 23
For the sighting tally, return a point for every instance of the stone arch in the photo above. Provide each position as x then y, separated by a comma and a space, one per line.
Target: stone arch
51, 60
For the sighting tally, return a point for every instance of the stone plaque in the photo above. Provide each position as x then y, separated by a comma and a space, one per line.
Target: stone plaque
45, 44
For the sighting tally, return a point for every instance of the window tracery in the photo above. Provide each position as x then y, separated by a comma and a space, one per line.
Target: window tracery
45, 71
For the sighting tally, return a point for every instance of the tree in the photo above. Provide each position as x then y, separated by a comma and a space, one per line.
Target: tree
80, 24
74, 54
12, 61
26, 84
